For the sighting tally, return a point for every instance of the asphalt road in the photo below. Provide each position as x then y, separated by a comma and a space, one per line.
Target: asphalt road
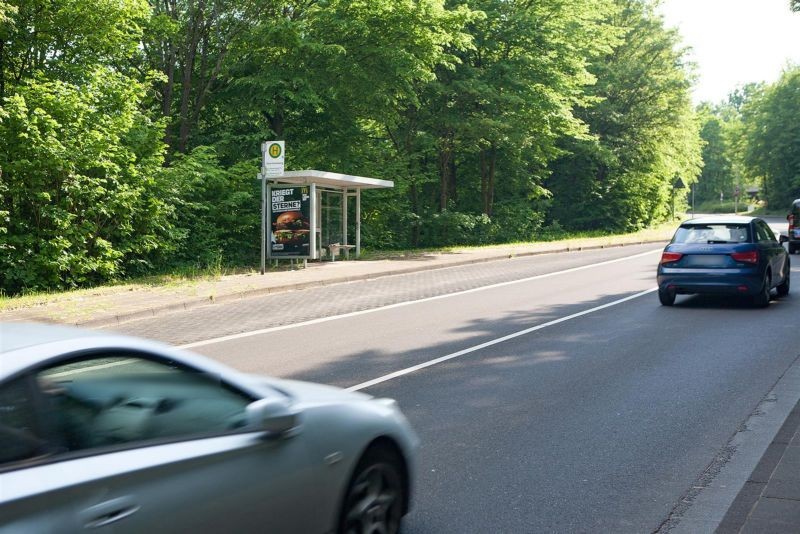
551, 394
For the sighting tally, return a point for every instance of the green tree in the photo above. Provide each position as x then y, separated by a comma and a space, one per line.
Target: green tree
189, 43
338, 80
78, 166
216, 220
65, 39
772, 131
717, 175
80, 199
645, 134
479, 139
513, 92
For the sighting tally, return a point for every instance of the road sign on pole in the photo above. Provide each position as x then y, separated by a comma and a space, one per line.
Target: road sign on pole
274, 157
263, 180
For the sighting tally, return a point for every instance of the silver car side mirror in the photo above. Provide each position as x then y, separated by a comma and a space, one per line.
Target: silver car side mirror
272, 415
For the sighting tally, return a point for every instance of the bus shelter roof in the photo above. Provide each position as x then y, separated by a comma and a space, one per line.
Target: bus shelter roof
332, 179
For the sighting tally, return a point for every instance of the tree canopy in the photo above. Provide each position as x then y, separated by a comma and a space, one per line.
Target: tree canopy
131, 142
772, 131
644, 134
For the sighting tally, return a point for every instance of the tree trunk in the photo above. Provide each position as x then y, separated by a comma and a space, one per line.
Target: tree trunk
453, 192
276, 123
414, 209
202, 93
445, 157
488, 163
169, 87
484, 180
492, 166
169, 62
195, 24
2, 70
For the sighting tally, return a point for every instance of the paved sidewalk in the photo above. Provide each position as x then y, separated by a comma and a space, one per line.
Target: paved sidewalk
769, 502
113, 305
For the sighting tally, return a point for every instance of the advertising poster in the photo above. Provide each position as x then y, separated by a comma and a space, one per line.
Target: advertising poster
290, 222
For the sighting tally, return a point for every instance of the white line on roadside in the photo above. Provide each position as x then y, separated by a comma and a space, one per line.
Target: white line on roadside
409, 370
409, 302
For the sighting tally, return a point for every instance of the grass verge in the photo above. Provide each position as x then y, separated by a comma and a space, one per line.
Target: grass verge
662, 231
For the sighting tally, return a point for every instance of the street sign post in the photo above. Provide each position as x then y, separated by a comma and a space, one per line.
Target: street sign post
263, 221
273, 156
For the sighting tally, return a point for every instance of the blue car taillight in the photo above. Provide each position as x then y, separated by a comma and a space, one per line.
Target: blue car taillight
670, 257
750, 256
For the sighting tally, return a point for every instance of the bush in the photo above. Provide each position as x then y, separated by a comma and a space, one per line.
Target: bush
218, 211
450, 228
79, 198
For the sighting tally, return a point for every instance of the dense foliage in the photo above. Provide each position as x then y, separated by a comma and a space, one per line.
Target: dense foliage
131, 142
772, 131
644, 133
751, 143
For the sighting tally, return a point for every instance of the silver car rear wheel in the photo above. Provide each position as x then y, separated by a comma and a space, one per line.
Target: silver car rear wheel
374, 500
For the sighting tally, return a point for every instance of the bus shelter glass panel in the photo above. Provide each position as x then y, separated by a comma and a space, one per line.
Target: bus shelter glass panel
331, 217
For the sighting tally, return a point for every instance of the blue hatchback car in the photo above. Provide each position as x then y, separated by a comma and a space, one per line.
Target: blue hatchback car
723, 255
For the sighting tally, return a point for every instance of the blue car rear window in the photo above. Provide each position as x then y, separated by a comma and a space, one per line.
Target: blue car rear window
713, 233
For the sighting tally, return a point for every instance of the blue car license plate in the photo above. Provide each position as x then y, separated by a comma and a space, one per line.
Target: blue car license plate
706, 260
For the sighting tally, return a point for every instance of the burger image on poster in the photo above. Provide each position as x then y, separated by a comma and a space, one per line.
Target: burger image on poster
291, 228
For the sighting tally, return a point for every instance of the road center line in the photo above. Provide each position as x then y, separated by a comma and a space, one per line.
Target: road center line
259, 332
414, 368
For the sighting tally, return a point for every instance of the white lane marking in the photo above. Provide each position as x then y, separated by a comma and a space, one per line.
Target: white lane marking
241, 335
469, 350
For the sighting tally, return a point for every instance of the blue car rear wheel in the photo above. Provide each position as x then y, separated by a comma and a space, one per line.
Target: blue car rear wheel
783, 289
761, 300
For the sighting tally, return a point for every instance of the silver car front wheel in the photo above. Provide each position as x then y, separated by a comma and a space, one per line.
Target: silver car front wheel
374, 500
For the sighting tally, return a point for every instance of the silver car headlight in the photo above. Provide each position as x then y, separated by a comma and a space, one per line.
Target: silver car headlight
389, 403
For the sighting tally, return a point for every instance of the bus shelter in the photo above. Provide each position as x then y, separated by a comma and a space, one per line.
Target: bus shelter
308, 214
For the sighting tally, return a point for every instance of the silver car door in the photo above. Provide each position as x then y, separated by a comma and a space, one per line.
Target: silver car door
142, 444
237, 483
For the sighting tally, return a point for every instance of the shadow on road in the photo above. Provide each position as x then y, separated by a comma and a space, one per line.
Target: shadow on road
361, 366
725, 302
599, 410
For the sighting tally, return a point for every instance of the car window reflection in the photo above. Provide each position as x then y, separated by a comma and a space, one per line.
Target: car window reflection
112, 400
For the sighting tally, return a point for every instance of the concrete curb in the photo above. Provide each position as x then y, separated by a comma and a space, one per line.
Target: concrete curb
741, 511
238, 295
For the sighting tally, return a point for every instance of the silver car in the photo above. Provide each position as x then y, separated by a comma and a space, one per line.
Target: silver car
109, 433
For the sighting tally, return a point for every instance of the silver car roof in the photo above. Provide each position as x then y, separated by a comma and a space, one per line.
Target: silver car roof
26, 345
14, 336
